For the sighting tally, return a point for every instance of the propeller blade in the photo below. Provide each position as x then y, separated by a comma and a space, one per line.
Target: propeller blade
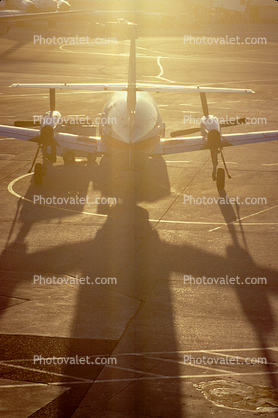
26, 123
235, 122
184, 132
204, 103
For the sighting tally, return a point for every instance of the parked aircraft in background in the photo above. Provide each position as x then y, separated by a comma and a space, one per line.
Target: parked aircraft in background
35, 6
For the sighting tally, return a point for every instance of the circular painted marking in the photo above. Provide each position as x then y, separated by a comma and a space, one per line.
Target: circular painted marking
219, 224
11, 190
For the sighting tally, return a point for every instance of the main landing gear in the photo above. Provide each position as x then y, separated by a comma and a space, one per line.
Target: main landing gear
45, 139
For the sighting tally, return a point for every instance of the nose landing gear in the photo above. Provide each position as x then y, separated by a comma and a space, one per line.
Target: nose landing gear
220, 179
218, 174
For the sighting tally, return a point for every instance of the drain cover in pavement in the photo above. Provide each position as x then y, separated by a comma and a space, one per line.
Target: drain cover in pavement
237, 395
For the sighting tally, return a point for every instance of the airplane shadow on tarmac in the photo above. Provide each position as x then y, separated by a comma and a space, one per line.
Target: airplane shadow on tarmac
137, 311
254, 300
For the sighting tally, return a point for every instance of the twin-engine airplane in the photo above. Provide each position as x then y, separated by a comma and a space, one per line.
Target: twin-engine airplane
133, 125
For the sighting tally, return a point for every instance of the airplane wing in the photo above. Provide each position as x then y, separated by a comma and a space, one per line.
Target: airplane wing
27, 134
156, 88
76, 86
77, 142
69, 141
196, 143
160, 88
176, 146
249, 138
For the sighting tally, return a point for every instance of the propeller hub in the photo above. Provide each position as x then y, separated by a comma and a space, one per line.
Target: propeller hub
209, 123
52, 119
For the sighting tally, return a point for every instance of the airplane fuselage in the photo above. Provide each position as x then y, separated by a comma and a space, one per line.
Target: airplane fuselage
140, 130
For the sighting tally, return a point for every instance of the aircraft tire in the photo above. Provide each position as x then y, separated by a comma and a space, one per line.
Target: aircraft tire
220, 179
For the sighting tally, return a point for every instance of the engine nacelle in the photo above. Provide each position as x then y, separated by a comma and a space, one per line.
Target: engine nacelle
47, 135
209, 123
211, 130
214, 139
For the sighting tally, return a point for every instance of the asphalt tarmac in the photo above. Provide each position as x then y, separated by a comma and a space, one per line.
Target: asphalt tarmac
166, 347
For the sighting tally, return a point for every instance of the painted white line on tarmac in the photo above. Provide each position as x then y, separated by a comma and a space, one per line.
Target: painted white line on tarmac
44, 384
162, 72
41, 371
249, 216
161, 221
196, 351
188, 376
149, 375
164, 360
